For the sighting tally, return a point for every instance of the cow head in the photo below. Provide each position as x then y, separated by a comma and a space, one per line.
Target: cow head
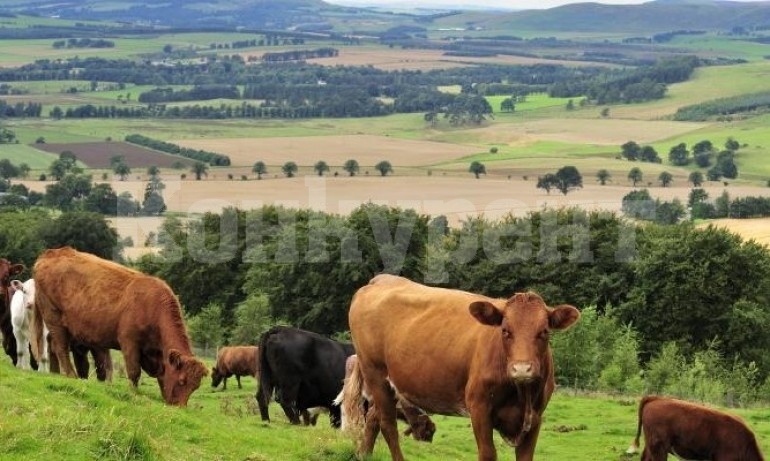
422, 429
181, 376
525, 325
216, 377
8, 270
26, 290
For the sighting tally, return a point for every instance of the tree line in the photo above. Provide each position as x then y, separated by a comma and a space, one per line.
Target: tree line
212, 158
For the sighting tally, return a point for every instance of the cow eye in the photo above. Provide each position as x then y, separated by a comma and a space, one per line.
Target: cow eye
507, 333
544, 335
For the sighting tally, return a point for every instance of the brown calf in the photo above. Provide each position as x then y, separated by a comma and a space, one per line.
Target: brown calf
691, 431
235, 360
457, 353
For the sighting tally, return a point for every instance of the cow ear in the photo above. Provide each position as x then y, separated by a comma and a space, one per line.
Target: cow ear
562, 317
175, 359
17, 285
16, 269
486, 313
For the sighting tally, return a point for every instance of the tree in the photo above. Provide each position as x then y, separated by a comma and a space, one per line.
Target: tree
384, 167
122, 170
252, 318
7, 136
649, 154
321, 167
289, 169
568, 178
102, 199
603, 176
696, 178
547, 182
126, 205
153, 171
477, 168
635, 175
665, 178
570, 105
206, 329
702, 147
732, 145
431, 117
259, 169
8, 170
507, 105
24, 170
199, 169
84, 231
351, 166
679, 155
630, 150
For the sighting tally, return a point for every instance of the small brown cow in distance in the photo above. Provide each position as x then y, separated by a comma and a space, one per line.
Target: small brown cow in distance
456, 353
101, 304
235, 360
690, 431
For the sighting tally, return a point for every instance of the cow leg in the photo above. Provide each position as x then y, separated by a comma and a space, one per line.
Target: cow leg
289, 402
525, 451
481, 420
238, 378
132, 360
371, 431
22, 350
80, 356
103, 364
224, 383
60, 343
385, 401
264, 394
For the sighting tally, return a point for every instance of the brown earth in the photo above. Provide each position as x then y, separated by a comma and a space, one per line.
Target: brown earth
98, 154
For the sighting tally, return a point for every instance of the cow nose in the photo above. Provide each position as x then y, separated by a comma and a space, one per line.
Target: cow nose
521, 371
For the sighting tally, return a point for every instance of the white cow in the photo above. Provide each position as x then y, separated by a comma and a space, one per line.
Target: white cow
21, 318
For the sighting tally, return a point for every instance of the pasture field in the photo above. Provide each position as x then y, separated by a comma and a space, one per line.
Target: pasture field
51, 416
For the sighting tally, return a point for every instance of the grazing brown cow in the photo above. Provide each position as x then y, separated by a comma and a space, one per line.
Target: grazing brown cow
235, 360
357, 408
8, 271
104, 305
456, 353
690, 431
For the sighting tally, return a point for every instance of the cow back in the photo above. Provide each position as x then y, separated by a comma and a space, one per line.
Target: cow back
423, 336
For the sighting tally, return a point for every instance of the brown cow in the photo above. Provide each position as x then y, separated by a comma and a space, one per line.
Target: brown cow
102, 304
690, 431
355, 399
456, 353
235, 360
7, 271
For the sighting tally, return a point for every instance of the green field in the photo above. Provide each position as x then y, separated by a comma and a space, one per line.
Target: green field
49, 416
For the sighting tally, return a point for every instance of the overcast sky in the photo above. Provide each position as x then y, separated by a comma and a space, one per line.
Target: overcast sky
512, 4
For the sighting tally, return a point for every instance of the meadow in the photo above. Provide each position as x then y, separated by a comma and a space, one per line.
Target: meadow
72, 419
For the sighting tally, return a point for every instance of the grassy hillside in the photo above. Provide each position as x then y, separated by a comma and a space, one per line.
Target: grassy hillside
52, 417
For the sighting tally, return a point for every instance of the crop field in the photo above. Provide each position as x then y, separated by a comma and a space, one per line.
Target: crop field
98, 154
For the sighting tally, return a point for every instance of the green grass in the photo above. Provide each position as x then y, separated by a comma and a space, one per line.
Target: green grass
53, 417
21, 153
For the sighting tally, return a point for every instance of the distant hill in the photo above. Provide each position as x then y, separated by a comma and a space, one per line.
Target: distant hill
650, 17
317, 15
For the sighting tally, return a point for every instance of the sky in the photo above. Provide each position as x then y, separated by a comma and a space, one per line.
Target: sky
509, 4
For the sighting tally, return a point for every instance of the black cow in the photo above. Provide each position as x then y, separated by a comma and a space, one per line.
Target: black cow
303, 370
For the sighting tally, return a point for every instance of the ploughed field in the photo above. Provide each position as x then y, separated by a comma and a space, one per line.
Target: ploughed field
99, 154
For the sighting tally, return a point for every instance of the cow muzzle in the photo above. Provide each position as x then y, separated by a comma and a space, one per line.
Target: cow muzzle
522, 371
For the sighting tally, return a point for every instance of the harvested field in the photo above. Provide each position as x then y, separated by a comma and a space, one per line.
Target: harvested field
98, 154
750, 229
458, 198
398, 59
367, 150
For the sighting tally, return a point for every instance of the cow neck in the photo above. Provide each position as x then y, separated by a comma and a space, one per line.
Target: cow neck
173, 333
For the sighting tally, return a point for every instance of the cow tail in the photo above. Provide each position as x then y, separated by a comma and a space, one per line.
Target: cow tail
265, 392
353, 409
635, 443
